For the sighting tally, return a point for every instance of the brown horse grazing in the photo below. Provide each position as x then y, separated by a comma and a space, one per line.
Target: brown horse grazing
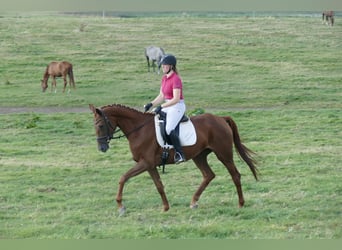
214, 134
58, 69
328, 17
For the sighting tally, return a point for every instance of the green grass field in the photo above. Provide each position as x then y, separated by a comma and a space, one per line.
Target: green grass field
279, 78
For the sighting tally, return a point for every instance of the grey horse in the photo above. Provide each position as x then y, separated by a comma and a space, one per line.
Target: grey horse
154, 54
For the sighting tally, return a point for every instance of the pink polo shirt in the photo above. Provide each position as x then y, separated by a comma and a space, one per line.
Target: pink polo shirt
168, 84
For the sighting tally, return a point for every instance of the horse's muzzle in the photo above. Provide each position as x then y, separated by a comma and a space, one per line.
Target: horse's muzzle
103, 147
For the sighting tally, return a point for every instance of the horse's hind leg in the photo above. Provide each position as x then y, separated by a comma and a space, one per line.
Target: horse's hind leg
70, 84
208, 175
53, 85
332, 21
65, 83
227, 159
154, 65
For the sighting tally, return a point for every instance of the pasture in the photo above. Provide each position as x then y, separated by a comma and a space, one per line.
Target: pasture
279, 78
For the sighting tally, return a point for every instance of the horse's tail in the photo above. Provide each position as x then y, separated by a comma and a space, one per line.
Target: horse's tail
71, 75
244, 152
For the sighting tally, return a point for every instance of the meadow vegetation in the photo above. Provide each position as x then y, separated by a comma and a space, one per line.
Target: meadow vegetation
279, 78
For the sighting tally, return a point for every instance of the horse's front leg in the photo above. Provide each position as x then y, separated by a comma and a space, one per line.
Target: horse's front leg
139, 168
160, 187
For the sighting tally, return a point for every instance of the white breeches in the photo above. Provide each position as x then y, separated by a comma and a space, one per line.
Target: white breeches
174, 114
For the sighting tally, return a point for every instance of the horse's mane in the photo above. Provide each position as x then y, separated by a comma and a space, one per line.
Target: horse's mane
121, 106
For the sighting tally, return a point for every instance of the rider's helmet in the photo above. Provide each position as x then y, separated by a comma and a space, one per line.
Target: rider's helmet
169, 60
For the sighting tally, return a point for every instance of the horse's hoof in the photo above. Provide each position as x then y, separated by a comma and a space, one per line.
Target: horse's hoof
122, 211
194, 206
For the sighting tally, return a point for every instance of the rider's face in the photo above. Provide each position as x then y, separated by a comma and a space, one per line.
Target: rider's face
166, 68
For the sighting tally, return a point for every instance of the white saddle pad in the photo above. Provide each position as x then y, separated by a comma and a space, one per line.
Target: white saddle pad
187, 133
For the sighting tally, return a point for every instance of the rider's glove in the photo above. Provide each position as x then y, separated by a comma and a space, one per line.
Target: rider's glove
158, 109
147, 106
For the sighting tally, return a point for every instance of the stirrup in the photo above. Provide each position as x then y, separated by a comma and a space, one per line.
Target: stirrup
179, 158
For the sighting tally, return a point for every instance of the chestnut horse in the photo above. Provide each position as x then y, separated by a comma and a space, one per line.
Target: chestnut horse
214, 134
58, 69
329, 17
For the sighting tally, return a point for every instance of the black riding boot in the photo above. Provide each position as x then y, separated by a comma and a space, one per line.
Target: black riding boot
179, 156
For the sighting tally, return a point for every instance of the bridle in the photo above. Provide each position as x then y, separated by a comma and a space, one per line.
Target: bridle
109, 126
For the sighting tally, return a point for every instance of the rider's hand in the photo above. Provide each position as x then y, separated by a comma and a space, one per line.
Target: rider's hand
147, 106
158, 109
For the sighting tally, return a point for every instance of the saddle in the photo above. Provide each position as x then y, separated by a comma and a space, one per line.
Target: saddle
162, 125
185, 130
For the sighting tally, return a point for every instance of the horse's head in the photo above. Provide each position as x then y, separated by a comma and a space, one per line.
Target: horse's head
44, 85
103, 128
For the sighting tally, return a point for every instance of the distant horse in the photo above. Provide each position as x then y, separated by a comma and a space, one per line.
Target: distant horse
214, 134
58, 69
155, 54
328, 17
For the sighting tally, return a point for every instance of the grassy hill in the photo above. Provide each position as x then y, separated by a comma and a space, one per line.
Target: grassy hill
278, 77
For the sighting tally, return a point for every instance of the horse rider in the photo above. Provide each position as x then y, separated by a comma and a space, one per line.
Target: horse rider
171, 101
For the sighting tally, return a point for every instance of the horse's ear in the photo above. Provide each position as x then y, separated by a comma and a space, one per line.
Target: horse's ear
92, 108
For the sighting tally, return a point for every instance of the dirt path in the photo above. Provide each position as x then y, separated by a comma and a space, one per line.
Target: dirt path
45, 110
